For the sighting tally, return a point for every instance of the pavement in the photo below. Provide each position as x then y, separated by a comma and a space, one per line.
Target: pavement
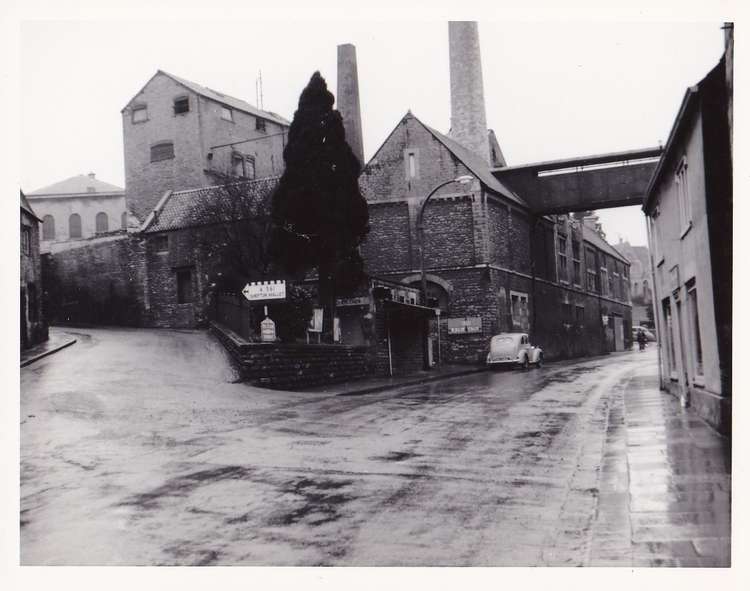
59, 339
138, 447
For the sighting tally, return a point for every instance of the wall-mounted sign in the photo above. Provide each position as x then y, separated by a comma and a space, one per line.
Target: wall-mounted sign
267, 330
316, 322
467, 325
360, 301
256, 291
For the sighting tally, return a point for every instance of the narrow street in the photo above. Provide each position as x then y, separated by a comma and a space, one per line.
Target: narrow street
138, 448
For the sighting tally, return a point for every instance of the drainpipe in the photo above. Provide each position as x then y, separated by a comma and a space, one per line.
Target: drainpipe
657, 322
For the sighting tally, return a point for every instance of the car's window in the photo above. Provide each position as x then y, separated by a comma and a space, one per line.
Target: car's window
503, 339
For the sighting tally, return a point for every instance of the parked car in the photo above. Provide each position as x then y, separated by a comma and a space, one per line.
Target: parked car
513, 348
650, 337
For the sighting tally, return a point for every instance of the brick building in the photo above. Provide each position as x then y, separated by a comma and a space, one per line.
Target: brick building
33, 325
178, 135
492, 264
78, 208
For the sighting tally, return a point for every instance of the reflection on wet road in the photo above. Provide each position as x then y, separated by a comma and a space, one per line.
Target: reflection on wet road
138, 448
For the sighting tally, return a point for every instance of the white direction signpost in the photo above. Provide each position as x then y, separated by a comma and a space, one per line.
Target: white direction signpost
256, 291
261, 291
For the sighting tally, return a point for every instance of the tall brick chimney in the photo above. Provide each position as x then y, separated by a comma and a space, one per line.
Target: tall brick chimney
468, 115
347, 98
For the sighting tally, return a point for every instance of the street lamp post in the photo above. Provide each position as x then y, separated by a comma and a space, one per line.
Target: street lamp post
463, 180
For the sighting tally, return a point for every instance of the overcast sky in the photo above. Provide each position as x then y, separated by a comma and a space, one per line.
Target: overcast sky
552, 90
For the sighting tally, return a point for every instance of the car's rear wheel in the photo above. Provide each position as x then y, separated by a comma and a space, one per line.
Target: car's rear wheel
525, 363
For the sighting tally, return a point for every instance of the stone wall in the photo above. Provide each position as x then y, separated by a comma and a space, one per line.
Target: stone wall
97, 282
291, 366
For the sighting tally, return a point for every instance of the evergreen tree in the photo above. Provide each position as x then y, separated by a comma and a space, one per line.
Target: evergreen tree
319, 214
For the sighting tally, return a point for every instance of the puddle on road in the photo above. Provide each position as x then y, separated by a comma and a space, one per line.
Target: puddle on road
321, 502
396, 456
183, 485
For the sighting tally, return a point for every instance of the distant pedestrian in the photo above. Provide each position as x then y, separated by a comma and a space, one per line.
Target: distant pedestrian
641, 338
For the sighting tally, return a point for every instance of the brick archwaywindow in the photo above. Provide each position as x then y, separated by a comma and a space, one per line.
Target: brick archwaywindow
102, 222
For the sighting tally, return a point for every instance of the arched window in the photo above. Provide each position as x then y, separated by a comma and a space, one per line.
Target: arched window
48, 228
124, 220
74, 226
102, 222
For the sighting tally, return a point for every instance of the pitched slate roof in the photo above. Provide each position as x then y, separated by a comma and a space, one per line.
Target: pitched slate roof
208, 205
77, 185
224, 99
593, 237
475, 164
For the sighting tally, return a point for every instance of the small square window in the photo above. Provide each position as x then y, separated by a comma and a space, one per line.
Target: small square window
226, 114
139, 114
181, 105
161, 243
260, 124
162, 151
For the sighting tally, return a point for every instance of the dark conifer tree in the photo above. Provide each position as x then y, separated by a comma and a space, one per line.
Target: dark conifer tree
319, 213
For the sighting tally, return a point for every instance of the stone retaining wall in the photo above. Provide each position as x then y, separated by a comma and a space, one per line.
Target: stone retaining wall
294, 366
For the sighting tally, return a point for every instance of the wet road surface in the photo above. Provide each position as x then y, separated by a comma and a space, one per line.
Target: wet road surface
138, 448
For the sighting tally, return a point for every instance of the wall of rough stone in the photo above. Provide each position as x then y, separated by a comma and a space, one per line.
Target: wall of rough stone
99, 281
31, 279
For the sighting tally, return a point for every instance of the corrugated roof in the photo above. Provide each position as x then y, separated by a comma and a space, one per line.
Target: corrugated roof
475, 164
593, 237
208, 205
77, 185
230, 101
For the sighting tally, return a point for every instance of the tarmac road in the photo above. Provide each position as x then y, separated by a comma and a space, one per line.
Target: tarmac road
137, 448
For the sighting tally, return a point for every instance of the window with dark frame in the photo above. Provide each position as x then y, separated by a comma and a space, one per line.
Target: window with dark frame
667, 309
181, 105
576, 261
74, 226
243, 165
695, 336
184, 286
226, 114
48, 228
260, 124
102, 222
162, 151
580, 311
161, 243
25, 239
562, 244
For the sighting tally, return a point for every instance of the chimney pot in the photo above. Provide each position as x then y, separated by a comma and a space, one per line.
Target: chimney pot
91, 175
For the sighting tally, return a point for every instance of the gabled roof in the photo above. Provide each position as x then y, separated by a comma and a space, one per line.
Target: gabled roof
475, 164
593, 237
222, 98
208, 205
687, 107
78, 185
27, 208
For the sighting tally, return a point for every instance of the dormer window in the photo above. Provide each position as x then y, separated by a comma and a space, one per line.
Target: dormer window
181, 105
139, 114
226, 114
260, 124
